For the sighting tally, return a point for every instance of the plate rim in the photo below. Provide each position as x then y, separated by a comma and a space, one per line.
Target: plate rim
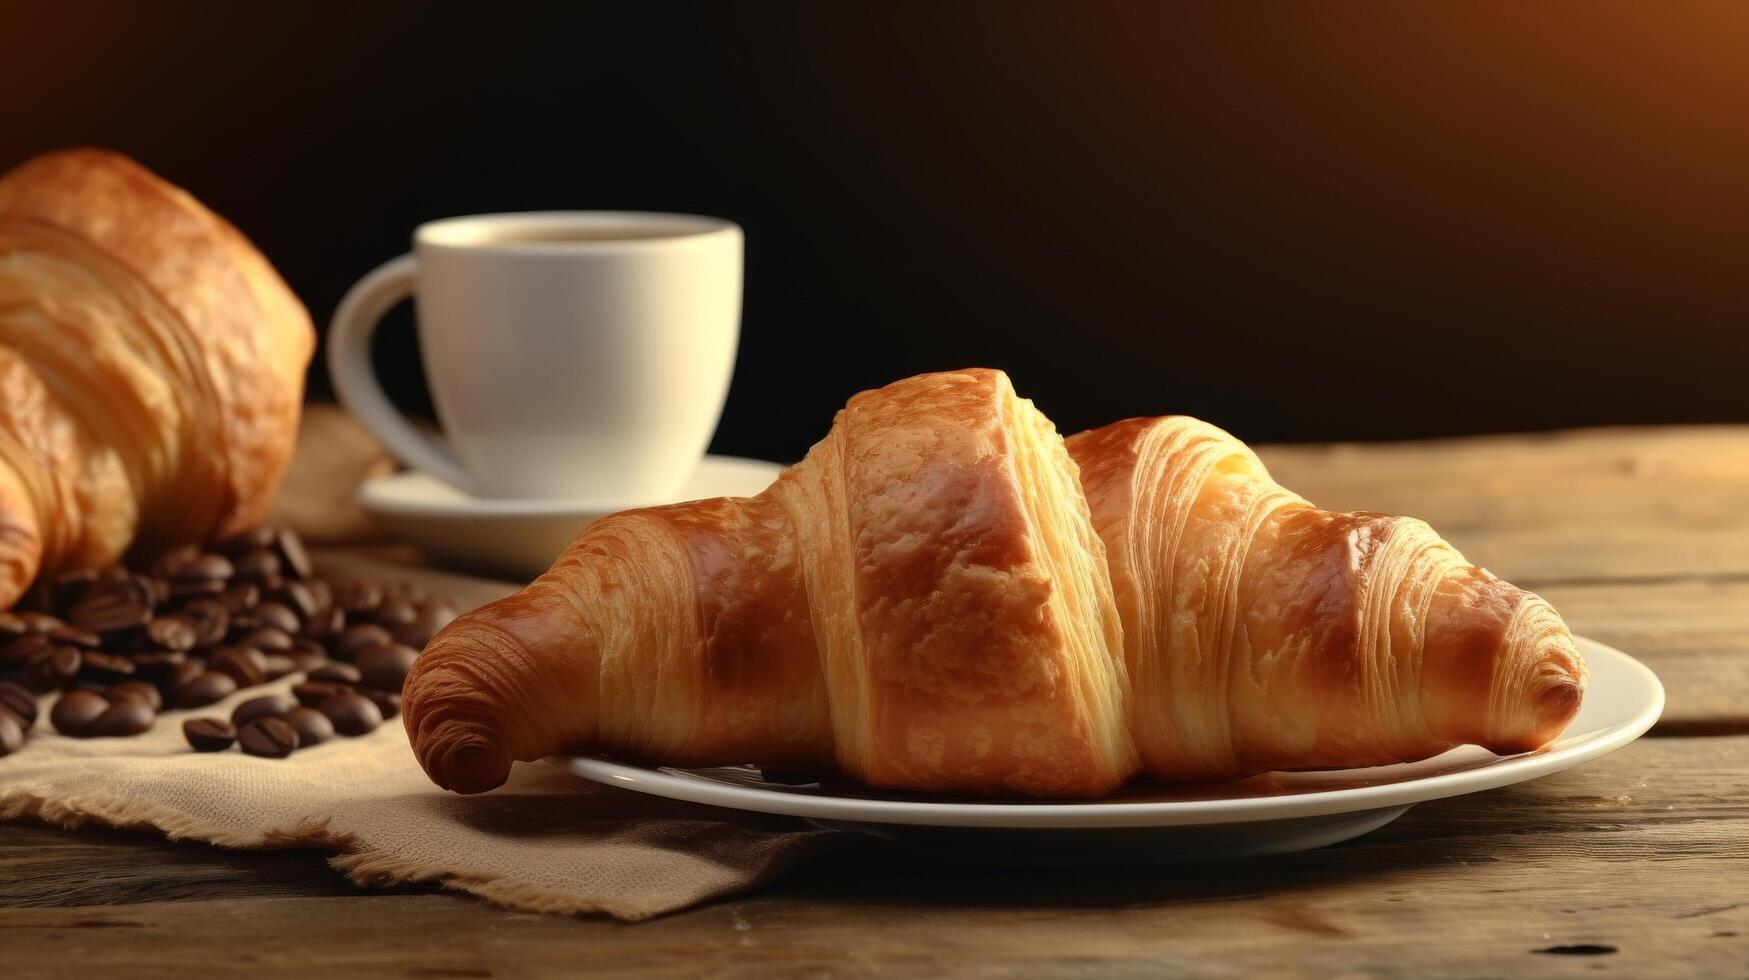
1095, 814
373, 496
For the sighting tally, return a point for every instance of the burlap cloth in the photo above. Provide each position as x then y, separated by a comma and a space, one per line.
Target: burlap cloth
548, 841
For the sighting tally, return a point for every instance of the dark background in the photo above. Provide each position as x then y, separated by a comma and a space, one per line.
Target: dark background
1301, 221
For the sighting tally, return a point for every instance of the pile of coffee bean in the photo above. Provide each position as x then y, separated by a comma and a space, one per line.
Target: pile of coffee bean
120, 644
339, 697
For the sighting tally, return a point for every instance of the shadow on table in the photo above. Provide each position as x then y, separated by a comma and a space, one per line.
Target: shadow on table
1479, 829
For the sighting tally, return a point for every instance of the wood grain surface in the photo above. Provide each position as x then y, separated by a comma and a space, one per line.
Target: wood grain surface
1641, 855
1635, 865
1607, 505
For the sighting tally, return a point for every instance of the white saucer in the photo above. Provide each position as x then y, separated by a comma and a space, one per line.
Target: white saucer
519, 537
1269, 814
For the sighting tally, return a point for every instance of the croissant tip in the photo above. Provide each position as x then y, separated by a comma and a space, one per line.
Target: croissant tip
1562, 698
1556, 705
470, 767
1547, 711
1564, 678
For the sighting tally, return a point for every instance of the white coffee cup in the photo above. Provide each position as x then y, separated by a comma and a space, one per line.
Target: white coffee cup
579, 355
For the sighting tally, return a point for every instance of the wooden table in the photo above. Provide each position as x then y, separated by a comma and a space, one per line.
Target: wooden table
1636, 865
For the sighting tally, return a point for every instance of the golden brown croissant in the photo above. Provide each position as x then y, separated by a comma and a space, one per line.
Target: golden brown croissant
924, 603
151, 367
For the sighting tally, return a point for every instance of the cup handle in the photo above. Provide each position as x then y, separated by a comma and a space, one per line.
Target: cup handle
355, 379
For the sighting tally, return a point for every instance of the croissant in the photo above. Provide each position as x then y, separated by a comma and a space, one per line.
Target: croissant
151, 368
931, 601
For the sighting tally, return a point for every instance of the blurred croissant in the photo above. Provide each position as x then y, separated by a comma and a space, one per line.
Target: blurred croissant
929, 602
151, 368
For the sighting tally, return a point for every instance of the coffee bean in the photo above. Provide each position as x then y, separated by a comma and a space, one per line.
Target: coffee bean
204, 567
197, 588
245, 665
311, 694
18, 699
269, 738
385, 667
434, 614
279, 616
361, 596
41, 622
292, 553
396, 609
210, 618
12, 625
209, 734
76, 712
11, 733
17, 653
124, 716
358, 638
148, 657
95, 687
108, 667
328, 624
69, 587
256, 537
397, 613
184, 672
352, 713
258, 565
322, 591
387, 702
312, 726
126, 642
139, 691
336, 673
205, 689
266, 638
265, 706
242, 598
53, 669
158, 666
174, 632
308, 654
279, 665
74, 636
300, 599
115, 605
170, 562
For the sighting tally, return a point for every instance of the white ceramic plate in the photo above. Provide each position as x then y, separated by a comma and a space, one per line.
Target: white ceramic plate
517, 537
1272, 813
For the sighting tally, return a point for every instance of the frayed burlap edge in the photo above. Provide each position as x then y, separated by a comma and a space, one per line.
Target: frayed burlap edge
371, 868
367, 867
126, 814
